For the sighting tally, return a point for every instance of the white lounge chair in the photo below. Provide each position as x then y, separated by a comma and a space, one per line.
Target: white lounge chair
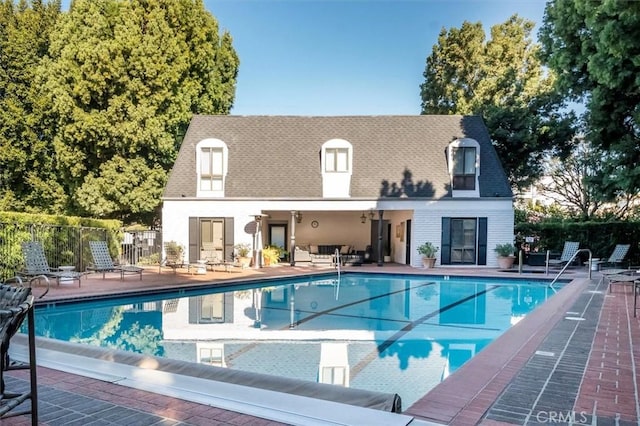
102, 261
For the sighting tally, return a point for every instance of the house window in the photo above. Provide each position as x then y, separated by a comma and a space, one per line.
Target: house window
211, 308
211, 239
464, 168
336, 160
211, 169
334, 375
463, 241
212, 356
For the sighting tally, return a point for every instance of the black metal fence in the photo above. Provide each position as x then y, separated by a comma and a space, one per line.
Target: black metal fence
68, 245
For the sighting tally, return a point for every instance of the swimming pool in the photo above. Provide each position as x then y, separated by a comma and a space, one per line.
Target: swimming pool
399, 334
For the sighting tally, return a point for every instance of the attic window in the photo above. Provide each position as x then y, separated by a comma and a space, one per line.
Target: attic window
464, 168
336, 160
211, 169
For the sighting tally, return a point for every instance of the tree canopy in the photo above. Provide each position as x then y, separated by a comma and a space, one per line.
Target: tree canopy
594, 46
112, 86
502, 80
27, 178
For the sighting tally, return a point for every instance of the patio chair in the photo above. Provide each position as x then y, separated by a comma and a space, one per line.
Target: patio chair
569, 250
36, 264
217, 260
174, 258
102, 261
617, 256
16, 305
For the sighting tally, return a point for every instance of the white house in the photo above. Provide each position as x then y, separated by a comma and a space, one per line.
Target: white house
389, 183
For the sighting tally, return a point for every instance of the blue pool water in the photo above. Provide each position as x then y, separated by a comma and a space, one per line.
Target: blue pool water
399, 334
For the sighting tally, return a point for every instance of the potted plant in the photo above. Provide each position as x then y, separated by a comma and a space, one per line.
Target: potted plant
271, 255
506, 256
428, 252
242, 254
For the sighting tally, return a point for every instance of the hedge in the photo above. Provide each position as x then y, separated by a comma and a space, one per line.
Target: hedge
599, 237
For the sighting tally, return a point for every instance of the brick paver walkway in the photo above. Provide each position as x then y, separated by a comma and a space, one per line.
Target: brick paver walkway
610, 384
573, 361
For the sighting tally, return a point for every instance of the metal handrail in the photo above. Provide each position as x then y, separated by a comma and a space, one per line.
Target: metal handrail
569, 263
38, 278
338, 263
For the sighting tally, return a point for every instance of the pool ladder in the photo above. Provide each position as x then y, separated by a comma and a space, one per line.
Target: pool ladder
569, 263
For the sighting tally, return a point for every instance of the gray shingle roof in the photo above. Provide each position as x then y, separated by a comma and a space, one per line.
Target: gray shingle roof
279, 156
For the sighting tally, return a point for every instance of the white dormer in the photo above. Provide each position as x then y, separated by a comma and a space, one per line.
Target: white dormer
336, 162
212, 160
463, 156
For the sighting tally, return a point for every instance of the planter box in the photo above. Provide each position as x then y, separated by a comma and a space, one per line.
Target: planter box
536, 259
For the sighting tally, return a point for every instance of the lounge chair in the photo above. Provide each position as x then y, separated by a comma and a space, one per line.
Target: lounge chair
36, 265
570, 249
216, 260
174, 258
102, 261
617, 256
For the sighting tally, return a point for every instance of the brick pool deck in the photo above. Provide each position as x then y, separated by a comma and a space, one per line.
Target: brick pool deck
572, 361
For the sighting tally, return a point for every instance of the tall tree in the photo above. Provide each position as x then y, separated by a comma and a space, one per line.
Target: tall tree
568, 183
27, 178
594, 46
502, 80
123, 81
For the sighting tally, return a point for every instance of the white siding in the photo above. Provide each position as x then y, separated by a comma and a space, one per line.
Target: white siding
339, 220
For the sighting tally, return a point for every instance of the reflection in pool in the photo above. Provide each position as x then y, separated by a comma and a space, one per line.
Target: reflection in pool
388, 333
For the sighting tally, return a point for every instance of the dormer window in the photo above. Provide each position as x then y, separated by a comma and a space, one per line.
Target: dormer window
211, 169
336, 160
336, 164
464, 168
212, 163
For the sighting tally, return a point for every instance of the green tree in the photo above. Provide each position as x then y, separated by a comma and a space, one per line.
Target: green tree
594, 47
571, 184
123, 80
28, 180
568, 184
503, 81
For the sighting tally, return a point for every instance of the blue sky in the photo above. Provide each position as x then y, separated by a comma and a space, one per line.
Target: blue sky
343, 57
351, 57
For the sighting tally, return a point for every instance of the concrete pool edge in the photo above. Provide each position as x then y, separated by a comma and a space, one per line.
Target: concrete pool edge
464, 397
268, 404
